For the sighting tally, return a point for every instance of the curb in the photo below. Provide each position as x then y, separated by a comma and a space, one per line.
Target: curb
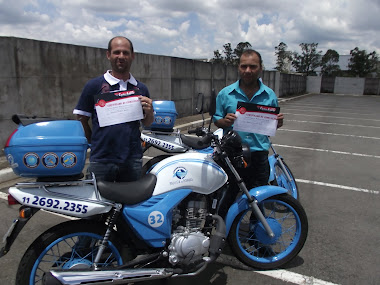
7, 174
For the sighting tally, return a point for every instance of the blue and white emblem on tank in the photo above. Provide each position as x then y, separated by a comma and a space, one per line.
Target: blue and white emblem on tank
68, 159
180, 172
31, 160
50, 160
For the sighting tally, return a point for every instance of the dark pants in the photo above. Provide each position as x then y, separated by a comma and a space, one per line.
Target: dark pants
256, 174
117, 172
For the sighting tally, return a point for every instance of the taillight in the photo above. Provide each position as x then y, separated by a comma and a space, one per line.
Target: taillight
12, 201
9, 138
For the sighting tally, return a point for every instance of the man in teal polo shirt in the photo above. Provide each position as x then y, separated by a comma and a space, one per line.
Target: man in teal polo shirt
252, 90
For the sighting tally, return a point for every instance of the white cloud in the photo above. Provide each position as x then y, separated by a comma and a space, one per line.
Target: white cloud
194, 29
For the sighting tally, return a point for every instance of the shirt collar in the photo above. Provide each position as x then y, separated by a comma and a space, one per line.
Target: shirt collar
236, 86
123, 84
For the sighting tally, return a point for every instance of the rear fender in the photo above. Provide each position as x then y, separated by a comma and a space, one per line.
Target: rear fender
14, 230
78, 201
241, 204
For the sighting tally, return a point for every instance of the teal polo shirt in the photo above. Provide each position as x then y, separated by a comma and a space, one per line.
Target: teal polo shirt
226, 102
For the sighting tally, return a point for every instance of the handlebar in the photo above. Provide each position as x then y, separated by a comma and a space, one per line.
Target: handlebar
199, 131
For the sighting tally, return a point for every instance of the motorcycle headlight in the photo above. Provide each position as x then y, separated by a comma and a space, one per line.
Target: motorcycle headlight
231, 141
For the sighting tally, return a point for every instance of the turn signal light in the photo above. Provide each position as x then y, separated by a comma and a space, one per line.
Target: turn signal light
25, 212
12, 201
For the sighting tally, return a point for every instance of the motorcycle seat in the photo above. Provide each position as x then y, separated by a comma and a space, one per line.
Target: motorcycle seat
128, 193
194, 142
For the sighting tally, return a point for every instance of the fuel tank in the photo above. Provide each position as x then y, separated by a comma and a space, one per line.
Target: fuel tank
195, 171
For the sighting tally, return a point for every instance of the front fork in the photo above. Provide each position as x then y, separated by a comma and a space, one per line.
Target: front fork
279, 160
252, 200
25, 213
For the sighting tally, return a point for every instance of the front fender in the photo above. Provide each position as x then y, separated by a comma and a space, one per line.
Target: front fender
241, 204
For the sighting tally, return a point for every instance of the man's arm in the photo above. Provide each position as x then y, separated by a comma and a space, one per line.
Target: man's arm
86, 126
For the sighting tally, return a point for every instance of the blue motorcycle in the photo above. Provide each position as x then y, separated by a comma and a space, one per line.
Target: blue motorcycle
172, 222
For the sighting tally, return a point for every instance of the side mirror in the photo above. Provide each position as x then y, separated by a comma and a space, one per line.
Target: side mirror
212, 108
199, 103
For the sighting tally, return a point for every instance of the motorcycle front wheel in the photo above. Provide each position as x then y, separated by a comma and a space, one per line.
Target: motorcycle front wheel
69, 245
250, 242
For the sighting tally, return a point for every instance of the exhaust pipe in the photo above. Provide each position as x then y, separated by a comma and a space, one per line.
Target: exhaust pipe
104, 277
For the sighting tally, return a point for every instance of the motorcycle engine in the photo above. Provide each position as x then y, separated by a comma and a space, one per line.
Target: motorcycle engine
188, 243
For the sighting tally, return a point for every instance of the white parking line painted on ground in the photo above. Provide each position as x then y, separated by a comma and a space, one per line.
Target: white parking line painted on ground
192, 123
3, 196
326, 150
335, 117
336, 124
294, 278
312, 109
332, 134
320, 108
337, 186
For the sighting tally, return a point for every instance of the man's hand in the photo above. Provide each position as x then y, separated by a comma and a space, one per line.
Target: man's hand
227, 121
147, 106
280, 120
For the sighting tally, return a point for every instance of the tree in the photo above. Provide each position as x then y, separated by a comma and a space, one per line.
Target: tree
284, 58
218, 58
239, 50
329, 63
231, 56
308, 60
362, 64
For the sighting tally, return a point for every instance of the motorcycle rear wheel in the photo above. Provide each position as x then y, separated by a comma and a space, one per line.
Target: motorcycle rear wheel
71, 244
250, 242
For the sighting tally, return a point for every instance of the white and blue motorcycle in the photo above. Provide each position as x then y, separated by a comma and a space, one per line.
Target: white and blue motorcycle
167, 224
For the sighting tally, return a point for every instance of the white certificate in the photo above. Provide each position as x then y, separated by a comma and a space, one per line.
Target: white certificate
113, 109
253, 118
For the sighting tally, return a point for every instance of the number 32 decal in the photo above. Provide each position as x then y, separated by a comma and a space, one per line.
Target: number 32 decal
155, 219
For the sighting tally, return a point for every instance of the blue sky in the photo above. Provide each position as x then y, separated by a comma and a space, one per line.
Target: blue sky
194, 29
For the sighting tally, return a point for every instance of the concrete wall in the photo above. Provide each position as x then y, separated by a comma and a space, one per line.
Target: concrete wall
46, 79
343, 85
292, 84
347, 85
313, 84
